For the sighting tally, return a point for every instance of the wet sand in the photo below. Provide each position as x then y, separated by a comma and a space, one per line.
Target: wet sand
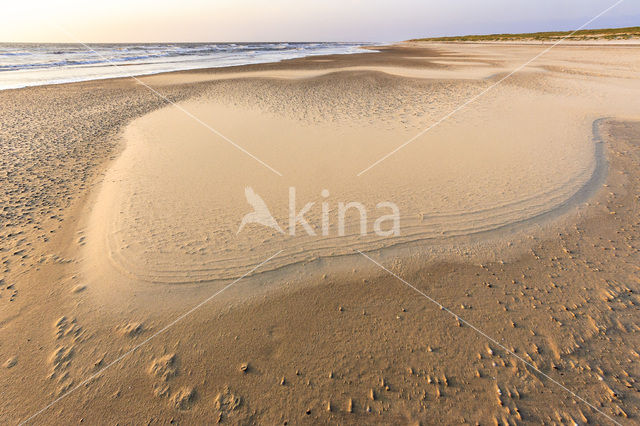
518, 215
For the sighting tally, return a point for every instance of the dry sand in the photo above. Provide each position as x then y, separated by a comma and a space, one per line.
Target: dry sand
518, 213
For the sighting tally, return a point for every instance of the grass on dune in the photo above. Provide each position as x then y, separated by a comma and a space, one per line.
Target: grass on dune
606, 34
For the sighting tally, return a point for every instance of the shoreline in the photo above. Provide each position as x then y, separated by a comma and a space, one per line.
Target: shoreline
126, 66
348, 340
633, 43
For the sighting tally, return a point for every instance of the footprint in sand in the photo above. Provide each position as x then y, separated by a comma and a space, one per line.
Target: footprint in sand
68, 333
131, 329
164, 369
226, 403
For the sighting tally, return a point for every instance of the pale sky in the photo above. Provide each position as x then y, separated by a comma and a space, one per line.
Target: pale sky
291, 20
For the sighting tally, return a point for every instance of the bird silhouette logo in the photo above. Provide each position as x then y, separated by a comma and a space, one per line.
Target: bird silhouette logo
260, 213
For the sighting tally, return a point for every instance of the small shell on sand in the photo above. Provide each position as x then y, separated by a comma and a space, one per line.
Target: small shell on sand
78, 289
10, 362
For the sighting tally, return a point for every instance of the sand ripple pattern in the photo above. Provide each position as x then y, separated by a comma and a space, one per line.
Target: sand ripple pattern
170, 207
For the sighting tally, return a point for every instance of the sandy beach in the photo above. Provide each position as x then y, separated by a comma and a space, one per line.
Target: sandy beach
131, 294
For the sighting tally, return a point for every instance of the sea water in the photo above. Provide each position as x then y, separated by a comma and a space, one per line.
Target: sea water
33, 64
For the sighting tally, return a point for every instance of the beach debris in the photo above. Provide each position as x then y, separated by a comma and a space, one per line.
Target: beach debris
329, 405
350, 406
372, 394
283, 381
244, 367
